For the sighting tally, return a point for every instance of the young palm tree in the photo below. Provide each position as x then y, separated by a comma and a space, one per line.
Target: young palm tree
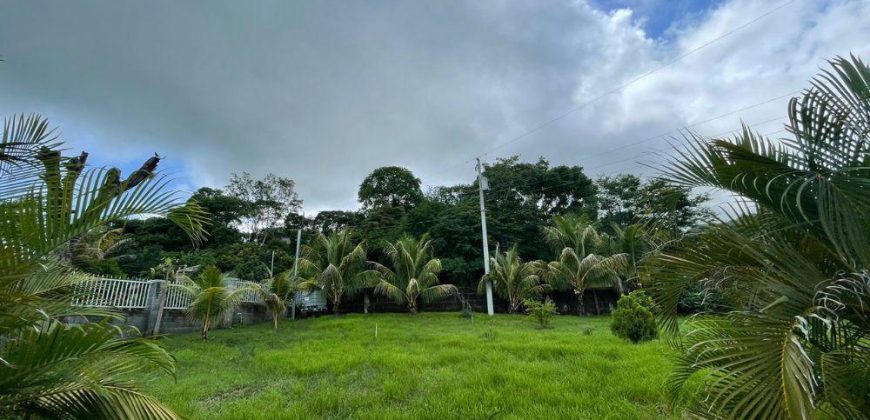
210, 298
414, 273
634, 245
99, 245
575, 232
578, 266
334, 265
577, 272
513, 279
276, 293
794, 264
48, 368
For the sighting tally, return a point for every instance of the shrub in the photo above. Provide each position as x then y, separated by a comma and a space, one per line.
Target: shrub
632, 321
541, 312
467, 310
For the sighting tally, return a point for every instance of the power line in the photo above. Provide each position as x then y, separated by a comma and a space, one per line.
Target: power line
559, 117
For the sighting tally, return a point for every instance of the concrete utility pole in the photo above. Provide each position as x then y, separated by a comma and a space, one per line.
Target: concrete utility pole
296, 270
482, 185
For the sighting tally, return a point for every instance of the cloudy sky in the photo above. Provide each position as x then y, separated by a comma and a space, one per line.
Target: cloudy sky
324, 92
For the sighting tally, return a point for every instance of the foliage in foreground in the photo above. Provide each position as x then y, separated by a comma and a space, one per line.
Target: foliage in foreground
47, 367
632, 320
794, 272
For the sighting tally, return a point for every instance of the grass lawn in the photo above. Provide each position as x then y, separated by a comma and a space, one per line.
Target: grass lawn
432, 365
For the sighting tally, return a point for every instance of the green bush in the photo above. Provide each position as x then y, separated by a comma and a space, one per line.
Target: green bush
541, 312
632, 320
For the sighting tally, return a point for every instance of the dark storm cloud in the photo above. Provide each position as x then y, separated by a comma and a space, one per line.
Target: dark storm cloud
324, 92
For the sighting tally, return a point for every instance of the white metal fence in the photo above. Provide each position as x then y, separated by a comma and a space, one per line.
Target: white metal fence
133, 294
113, 293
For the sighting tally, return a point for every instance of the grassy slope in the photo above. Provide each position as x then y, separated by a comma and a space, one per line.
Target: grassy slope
425, 366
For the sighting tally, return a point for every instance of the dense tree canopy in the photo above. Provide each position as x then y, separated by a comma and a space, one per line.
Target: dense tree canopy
391, 186
523, 198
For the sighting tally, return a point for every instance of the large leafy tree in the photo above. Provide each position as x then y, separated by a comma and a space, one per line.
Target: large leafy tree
792, 264
513, 279
413, 274
524, 196
47, 367
334, 265
267, 201
625, 200
390, 186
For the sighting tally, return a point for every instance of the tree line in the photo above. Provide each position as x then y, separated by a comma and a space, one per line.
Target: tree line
253, 222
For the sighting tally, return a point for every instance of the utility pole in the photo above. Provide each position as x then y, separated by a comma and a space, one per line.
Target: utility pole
296, 270
482, 184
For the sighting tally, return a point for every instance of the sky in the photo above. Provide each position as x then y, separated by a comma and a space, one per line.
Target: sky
325, 92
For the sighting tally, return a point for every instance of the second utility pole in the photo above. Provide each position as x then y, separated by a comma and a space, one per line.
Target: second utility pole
481, 185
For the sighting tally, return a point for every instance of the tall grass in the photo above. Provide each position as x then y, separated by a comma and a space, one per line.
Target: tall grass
426, 366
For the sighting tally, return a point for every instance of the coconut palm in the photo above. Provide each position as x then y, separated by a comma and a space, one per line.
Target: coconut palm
48, 368
210, 297
513, 279
577, 272
573, 231
414, 273
793, 263
634, 245
335, 266
276, 293
578, 265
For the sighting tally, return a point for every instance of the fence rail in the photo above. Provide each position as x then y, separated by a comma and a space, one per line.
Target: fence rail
112, 293
133, 294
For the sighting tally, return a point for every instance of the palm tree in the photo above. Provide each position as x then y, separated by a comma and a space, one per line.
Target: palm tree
578, 267
99, 245
47, 367
276, 293
573, 231
578, 272
210, 298
513, 279
794, 263
334, 265
414, 273
635, 244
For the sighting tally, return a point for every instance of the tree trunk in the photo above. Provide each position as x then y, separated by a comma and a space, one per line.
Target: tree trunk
595, 298
580, 310
366, 302
205, 324
336, 302
275, 321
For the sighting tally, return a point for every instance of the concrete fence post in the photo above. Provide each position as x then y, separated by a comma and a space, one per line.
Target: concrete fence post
154, 305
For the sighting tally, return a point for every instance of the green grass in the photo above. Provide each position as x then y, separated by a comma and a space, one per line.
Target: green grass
433, 365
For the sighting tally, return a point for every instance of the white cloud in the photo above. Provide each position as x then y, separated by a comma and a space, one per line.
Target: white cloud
325, 92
